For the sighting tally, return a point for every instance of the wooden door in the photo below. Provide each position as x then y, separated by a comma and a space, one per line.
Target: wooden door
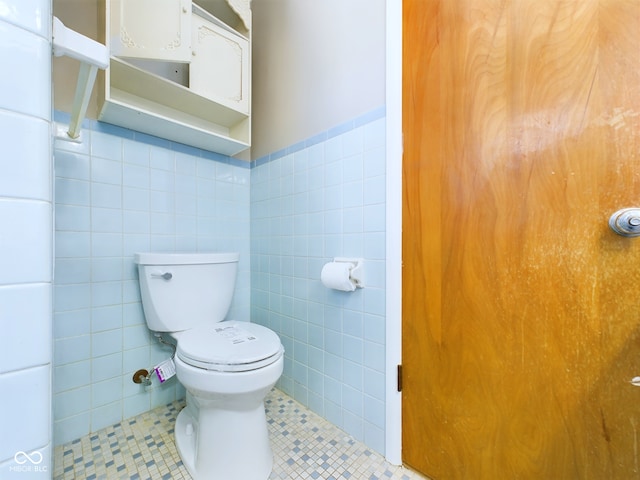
521, 308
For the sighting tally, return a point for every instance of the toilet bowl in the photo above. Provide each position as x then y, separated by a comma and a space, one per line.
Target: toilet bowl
227, 367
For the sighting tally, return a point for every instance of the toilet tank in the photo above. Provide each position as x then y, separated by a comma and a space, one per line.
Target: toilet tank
181, 291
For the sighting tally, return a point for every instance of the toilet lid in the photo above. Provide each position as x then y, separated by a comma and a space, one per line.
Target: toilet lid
229, 346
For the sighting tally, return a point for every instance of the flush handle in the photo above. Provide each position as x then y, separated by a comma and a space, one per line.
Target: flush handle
626, 222
165, 275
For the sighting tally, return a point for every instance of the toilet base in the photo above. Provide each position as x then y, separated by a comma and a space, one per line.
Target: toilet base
217, 444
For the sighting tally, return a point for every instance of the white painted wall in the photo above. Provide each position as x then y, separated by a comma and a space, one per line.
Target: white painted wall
81, 16
316, 64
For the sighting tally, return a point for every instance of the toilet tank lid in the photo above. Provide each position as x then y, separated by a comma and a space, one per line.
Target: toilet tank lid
157, 258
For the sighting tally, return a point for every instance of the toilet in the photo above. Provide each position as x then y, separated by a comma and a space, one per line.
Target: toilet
227, 367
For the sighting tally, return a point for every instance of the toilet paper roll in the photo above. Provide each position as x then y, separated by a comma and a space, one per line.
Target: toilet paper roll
336, 275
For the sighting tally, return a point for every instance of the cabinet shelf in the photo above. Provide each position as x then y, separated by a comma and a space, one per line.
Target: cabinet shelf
148, 103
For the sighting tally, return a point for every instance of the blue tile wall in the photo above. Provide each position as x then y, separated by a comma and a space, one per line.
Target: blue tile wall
120, 192
116, 193
318, 199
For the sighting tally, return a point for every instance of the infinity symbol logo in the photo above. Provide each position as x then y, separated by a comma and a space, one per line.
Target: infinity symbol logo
22, 457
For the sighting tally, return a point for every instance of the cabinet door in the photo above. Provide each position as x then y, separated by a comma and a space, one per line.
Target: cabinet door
220, 65
151, 29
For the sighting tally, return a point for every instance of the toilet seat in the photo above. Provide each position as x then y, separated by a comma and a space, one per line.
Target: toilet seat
230, 346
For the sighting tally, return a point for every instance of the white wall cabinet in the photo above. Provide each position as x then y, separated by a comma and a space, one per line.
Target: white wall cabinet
180, 71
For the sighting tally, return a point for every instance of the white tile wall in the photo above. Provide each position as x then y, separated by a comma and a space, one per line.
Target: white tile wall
23, 175
28, 57
118, 193
31, 15
27, 422
27, 256
25, 238
316, 200
23, 309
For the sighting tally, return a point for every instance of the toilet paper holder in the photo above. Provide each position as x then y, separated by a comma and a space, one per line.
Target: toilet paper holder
356, 272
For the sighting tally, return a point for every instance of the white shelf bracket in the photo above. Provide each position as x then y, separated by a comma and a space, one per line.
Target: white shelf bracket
92, 56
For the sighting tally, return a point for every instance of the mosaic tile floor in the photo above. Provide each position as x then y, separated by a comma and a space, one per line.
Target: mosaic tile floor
305, 446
